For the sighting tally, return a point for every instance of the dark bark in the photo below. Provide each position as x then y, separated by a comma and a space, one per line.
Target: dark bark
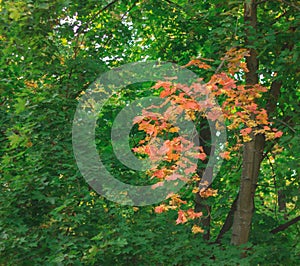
201, 206
282, 203
250, 172
273, 96
253, 150
252, 157
205, 174
228, 221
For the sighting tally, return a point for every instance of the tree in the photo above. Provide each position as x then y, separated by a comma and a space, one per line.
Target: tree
253, 150
51, 51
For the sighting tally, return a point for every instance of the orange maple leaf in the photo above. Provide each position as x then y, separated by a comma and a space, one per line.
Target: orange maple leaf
201, 156
162, 84
158, 184
181, 217
205, 193
160, 208
246, 131
225, 155
159, 174
193, 215
198, 63
278, 134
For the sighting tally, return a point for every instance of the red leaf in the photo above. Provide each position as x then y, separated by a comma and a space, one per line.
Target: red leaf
278, 134
214, 115
160, 208
193, 215
201, 156
163, 84
191, 169
246, 131
181, 217
191, 105
165, 93
138, 119
158, 184
159, 174
225, 155
198, 63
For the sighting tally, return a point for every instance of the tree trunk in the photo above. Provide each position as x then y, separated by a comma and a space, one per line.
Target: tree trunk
253, 150
201, 206
282, 203
228, 221
252, 157
201, 203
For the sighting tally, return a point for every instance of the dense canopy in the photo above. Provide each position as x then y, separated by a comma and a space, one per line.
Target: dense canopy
247, 52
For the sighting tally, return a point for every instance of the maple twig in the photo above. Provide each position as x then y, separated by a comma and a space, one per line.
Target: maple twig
220, 66
236, 27
92, 18
284, 123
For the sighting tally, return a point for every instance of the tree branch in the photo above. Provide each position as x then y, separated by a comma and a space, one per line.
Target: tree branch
174, 4
261, 2
229, 220
282, 227
291, 4
86, 25
273, 96
96, 14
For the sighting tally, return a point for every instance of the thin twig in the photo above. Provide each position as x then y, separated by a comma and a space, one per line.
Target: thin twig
275, 185
290, 4
220, 66
261, 2
95, 15
282, 122
174, 4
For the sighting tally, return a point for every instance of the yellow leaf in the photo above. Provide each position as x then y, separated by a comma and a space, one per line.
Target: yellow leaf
174, 129
196, 229
64, 41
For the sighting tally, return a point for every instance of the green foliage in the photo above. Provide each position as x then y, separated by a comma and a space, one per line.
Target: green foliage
49, 214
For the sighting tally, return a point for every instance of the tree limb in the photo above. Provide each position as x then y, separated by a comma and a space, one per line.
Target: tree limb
273, 96
229, 220
291, 4
284, 226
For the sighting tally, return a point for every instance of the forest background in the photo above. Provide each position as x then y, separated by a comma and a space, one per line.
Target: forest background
52, 51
